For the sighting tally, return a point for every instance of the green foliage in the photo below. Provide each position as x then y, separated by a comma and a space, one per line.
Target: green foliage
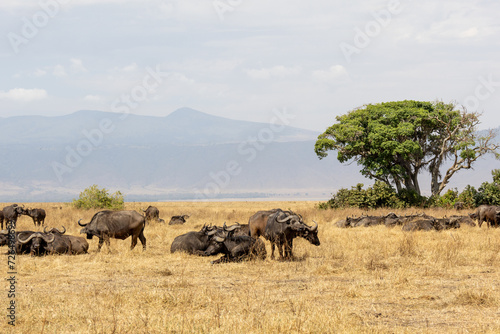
489, 193
448, 199
468, 197
413, 199
382, 195
395, 141
496, 176
95, 198
378, 196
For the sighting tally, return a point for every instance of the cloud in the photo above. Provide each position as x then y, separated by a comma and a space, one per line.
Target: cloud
23, 95
77, 66
279, 71
93, 98
39, 72
334, 73
59, 71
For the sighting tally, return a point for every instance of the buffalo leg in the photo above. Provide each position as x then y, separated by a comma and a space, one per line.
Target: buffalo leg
143, 240
101, 241
272, 250
280, 250
288, 249
134, 242
223, 259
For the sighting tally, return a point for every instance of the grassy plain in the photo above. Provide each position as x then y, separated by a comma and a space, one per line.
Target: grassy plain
360, 280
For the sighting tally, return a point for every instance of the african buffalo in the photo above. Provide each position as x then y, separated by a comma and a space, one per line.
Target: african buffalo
388, 220
419, 225
42, 243
459, 205
178, 220
20, 248
12, 212
446, 223
193, 242
115, 224
78, 244
480, 214
152, 212
38, 216
492, 216
243, 230
466, 220
258, 221
283, 226
234, 247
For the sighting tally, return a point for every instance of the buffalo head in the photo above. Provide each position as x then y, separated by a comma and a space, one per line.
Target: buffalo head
38, 242
85, 230
310, 233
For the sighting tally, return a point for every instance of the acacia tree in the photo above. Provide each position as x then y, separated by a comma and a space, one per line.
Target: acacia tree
395, 141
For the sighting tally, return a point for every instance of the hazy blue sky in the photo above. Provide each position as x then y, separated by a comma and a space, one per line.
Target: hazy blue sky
243, 58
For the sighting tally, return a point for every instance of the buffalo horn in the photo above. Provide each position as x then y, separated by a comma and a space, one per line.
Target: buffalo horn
52, 230
219, 239
287, 218
232, 227
28, 239
313, 228
83, 225
211, 232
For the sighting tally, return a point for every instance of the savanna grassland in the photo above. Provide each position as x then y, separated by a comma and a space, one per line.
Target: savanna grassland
359, 280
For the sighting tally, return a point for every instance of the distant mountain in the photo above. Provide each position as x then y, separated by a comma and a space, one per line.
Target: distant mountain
184, 126
186, 155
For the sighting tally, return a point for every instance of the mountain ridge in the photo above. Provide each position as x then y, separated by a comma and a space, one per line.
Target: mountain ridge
186, 154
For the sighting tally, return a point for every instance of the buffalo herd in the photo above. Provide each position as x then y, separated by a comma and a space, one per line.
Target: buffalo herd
237, 242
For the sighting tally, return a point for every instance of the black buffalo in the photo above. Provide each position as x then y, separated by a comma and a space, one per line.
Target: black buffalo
152, 213
389, 220
258, 221
422, 225
193, 242
492, 216
234, 247
78, 244
19, 248
480, 214
115, 224
178, 220
12, 212
465, 220
283, 226
38, 216
46, 243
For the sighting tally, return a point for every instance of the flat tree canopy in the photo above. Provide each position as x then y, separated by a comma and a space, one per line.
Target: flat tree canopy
395, 141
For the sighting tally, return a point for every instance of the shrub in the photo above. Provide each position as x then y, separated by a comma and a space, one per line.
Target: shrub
377, 196
467, 196
448, 199
95, 198
489, 193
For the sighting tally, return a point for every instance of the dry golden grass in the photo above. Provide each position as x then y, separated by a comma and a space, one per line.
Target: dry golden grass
360, 280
